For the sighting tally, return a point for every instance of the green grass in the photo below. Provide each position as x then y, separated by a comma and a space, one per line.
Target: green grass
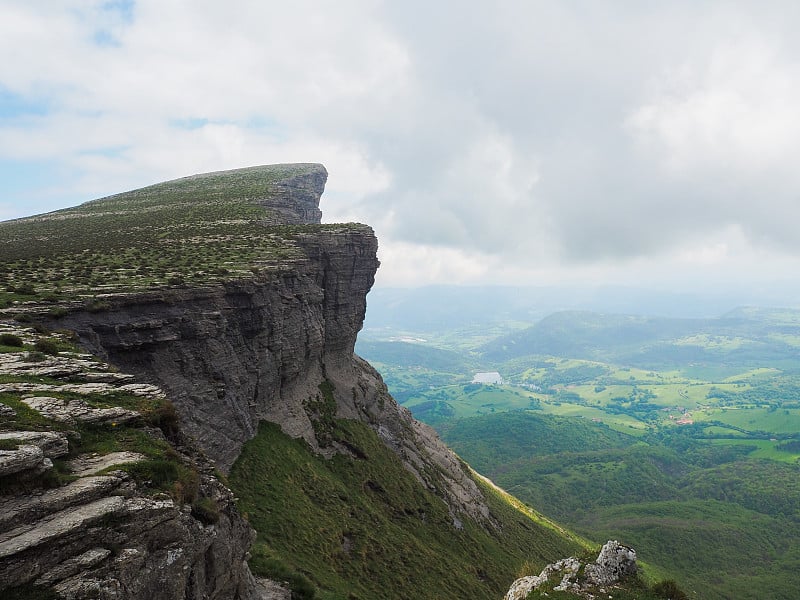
194, 231
365, 528
708, 513
758, 419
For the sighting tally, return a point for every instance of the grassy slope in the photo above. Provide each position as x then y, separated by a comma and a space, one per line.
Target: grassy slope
721, 523
365, 528
195, 230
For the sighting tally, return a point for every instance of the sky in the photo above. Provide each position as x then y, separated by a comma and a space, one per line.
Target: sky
509, 141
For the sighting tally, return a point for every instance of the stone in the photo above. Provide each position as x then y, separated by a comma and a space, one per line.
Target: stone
73, 566
71, 411
17, 510
24, 458
614, 563
92, 464
52, 443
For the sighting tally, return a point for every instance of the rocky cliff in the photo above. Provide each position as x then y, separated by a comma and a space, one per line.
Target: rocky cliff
224, 292
95, 502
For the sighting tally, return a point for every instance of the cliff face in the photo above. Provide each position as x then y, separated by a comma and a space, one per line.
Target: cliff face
246, 350
231, 355
265, 331
81, 511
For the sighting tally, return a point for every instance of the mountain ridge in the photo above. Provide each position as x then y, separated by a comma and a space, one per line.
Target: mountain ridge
242, 317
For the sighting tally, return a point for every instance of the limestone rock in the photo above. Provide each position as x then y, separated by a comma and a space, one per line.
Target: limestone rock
25, 458
249, 350
52, 443
614, 563
92, 464
71, 411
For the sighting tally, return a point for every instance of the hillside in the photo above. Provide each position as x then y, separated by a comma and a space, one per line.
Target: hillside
676, 436
746, 337
226, 293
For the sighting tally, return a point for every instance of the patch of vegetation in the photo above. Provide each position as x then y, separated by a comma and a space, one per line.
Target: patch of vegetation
710, 516
9, 339
367, 528
199, 230
47, 346
167, 474
205, 510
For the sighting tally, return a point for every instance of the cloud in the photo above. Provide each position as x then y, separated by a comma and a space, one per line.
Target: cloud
520, 138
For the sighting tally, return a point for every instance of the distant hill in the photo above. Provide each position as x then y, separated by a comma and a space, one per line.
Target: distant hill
743, 336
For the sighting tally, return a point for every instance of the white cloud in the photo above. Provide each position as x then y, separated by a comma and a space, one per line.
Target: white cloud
735, 111
513, 140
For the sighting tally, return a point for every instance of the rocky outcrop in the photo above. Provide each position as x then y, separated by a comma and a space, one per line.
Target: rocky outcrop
614, 563
295, 199
103, 533
231, 355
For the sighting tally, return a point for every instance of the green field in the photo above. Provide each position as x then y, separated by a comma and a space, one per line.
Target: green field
704, 480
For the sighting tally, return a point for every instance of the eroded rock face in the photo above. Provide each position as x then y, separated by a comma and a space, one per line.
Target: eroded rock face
227, 356
231, 355
102, 535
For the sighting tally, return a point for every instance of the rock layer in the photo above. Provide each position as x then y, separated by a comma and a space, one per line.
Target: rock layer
102, 535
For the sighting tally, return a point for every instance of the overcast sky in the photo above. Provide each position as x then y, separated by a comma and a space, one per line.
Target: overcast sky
515, 142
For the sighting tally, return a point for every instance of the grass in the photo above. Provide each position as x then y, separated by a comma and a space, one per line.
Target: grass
763, 449
366, 528
194, 231
777, 420
711, 514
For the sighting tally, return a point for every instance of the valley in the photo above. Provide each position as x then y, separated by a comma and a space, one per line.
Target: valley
680, 437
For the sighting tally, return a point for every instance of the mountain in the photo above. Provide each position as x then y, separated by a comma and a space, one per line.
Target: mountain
745, 336
179, 393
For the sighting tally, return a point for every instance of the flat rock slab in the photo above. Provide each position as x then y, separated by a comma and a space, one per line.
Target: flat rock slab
142, 390
73, 566
70, 411
88, 464
24, 458
58, 525
16, 510
52, 443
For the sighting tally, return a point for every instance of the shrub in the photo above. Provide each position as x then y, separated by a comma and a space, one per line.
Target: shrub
669, 590
35, 357
165, 417
206, 511
9, 339
96, 306
25, 289
46, 346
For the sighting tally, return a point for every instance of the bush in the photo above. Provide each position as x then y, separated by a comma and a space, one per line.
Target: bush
9, 339
169, 475
206, 511
165, 417
669, 590
25, 289
96, 306
46, 346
